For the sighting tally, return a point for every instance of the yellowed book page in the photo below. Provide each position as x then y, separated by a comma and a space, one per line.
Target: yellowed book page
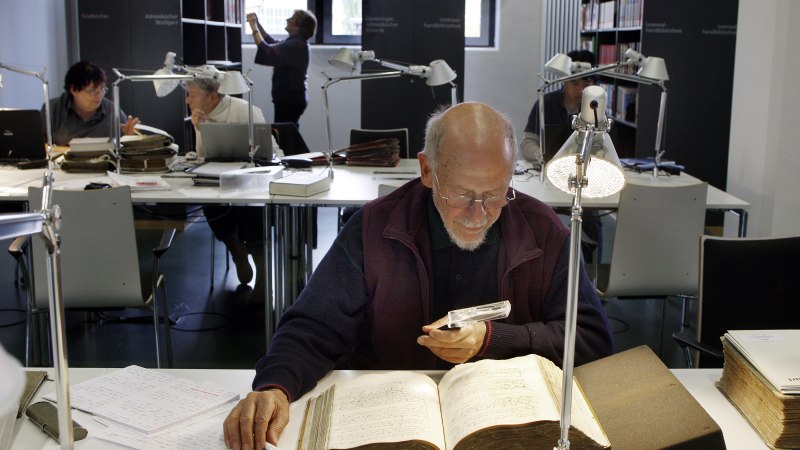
390, 407
516, 391
493, 392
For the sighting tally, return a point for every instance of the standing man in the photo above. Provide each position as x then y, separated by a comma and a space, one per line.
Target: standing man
290, 59
456, 237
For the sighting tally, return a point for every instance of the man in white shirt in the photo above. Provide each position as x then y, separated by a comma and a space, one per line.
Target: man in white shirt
241, 228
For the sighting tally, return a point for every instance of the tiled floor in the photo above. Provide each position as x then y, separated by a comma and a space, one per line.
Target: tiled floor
229, 329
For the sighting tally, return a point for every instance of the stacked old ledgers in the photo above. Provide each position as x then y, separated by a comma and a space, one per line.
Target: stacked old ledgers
381, 152
761, 377
147, 153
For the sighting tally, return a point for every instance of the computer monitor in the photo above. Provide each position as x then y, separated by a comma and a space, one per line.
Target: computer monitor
21, 136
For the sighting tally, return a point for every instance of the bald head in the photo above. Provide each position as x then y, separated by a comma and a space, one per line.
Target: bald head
468, 132
469, 153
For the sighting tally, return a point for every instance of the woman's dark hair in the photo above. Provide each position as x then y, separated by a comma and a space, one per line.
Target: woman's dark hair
82, 74
307, 23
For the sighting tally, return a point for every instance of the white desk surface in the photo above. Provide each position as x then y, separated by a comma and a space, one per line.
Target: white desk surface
699, 382
351, 186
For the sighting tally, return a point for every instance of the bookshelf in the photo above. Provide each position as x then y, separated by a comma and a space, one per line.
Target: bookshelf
212, 32
135, 35
608, 29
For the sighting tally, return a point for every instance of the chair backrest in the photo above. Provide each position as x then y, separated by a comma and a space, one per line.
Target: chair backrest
289, 138
746, 284
99, 257
655, 242
359, 135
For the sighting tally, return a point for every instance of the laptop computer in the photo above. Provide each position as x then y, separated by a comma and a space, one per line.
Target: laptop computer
230, 141
21, 136
554, 138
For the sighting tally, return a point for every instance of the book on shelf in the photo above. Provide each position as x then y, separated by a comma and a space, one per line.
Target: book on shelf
146, 401
301, 184
485, 404
626, 103
774, 415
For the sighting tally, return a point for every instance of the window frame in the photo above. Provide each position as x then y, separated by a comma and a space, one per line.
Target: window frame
322, 9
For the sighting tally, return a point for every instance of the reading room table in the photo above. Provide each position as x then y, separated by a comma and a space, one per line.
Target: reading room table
738, 433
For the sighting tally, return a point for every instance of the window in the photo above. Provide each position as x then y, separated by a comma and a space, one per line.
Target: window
340, 20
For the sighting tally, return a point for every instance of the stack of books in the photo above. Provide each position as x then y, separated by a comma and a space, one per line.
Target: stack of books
89, 154
381, 152
147, 153
761, 377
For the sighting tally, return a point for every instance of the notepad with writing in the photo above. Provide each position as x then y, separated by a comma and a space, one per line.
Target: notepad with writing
146, 400
487, 404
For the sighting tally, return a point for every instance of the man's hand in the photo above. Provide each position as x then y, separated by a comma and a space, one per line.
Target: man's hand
129, 127
453, 346
198, 117
260, 418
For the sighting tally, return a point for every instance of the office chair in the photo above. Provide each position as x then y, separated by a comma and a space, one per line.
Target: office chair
99, 260
361, 135
654, 253
745, 284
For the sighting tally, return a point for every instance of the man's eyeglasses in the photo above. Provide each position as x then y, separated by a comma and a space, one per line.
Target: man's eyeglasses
96, 91
464, 201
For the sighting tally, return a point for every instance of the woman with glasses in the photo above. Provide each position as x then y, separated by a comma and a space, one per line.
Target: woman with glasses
83, 109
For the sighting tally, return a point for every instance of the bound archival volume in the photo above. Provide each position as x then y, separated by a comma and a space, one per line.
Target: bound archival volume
752, 382
486, 404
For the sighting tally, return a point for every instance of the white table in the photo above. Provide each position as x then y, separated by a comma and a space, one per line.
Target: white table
699, 382
291, 253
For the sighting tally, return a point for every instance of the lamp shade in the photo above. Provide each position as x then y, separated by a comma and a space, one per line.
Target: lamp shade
164, 87
233, 83
560, 65
603, 170
343, 59
440, 73
653, 67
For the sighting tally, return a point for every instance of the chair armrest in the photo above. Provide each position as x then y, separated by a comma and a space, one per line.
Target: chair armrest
166, 242
17, 247
686, 340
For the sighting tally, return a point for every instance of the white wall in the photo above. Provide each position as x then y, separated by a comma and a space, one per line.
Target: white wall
504, 77
32, 37
764, 158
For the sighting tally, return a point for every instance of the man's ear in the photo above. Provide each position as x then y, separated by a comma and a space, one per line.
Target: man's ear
426, 174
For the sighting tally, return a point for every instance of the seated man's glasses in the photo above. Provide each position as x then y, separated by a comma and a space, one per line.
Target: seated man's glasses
464, 201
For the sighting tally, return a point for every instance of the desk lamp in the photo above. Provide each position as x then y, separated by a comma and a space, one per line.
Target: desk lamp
565, 69
652, 71
46, 90
166, 79
47, 223
586, 165
436, 74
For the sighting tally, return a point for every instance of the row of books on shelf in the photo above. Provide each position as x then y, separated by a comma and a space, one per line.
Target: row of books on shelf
761, 377
611, 53
620, 101
597, 15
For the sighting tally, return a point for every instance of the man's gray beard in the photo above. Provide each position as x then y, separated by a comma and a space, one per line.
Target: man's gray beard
465, 245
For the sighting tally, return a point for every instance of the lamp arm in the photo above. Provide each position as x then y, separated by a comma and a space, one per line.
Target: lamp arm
635, 78
583, 74
541, 130
334, 80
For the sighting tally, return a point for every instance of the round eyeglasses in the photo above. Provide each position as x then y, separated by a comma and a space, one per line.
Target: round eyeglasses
464, 201
96, 91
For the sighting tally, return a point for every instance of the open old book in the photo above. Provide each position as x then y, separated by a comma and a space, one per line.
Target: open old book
486, 404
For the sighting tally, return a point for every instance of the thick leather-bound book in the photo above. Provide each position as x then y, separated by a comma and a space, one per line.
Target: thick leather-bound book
641, 404
488, 404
